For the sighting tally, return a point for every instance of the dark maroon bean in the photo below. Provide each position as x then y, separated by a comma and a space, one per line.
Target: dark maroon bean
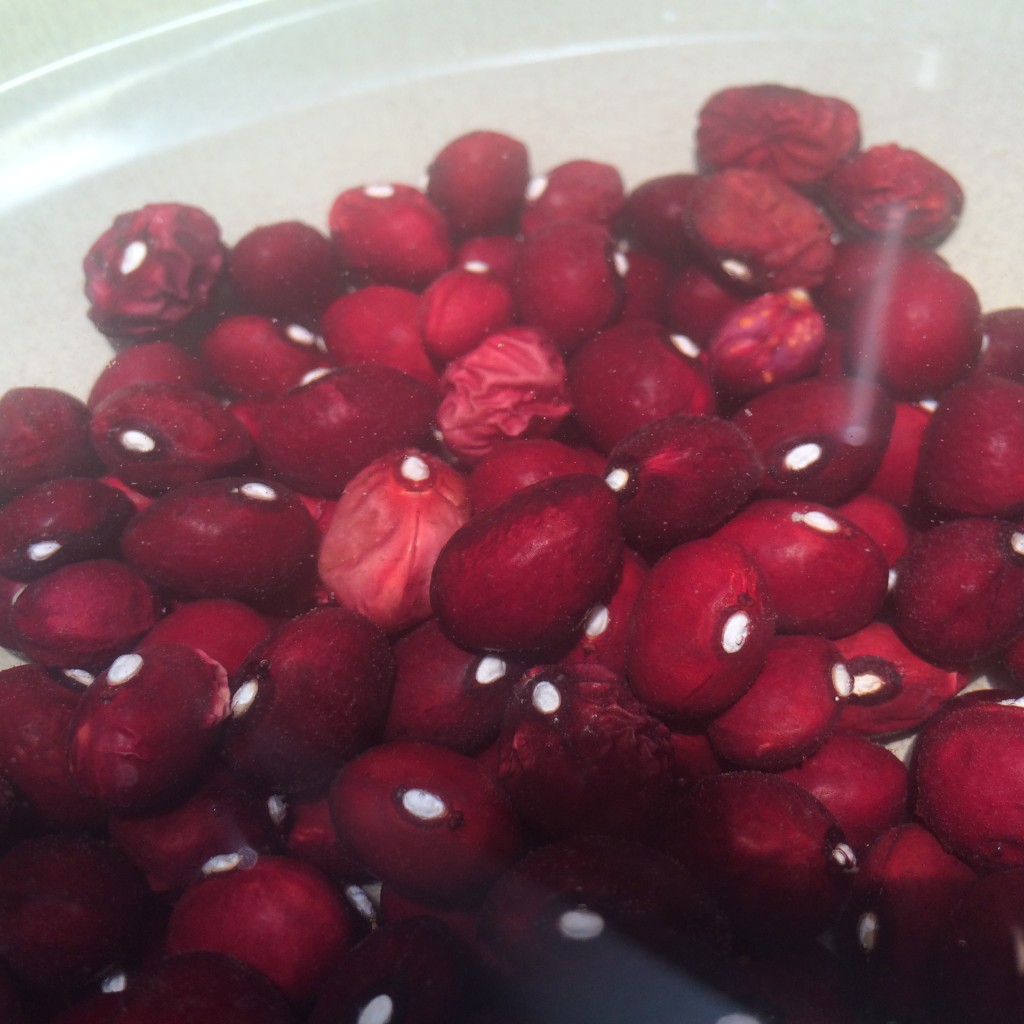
968, 464
462, 307
148, 362
864, 267
159, 436
566, 281
694, 756
405, 972
317, 437
862, 783
496, 254
894, 479
795, 134
308, 698
395, 906
62, 521
918, 332
522, 576
975, 814
203, 988
820, 440
170, 845
153, 269
277, 914
35, 722
653, 218
633, 374
242, 538
699, 302
44, 433
904, 891
478, 181
283, 269
222, 629
510, 468
378, 324
12, 1008
84, 614
679, 477
309, 836
144, 731
1002, 343
770, 853
390, 234
70, 909
823, 575
446, 695
252, 356
975, 968
576, 190
605, 639
580, 755
700, 629
790, 709
645, 288
881, 521
425, 819
959, 592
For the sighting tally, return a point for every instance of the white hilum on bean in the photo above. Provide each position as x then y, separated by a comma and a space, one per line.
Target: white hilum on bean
546, 698
123, 669
581, 924
617, 478
685, 344
300, 335
736, 269
735, 632
277, 808
415, 469
866, 683
423, 804
844, 856
257, 491
133, 257
536, 187
41, 550
867, 930
842, 681
137, 442
803, 456
356, 895
378, 1010
597, 621
816, 521
116, 982
243, 698
490, 670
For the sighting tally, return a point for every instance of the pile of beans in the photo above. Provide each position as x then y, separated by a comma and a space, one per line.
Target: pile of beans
499, 607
